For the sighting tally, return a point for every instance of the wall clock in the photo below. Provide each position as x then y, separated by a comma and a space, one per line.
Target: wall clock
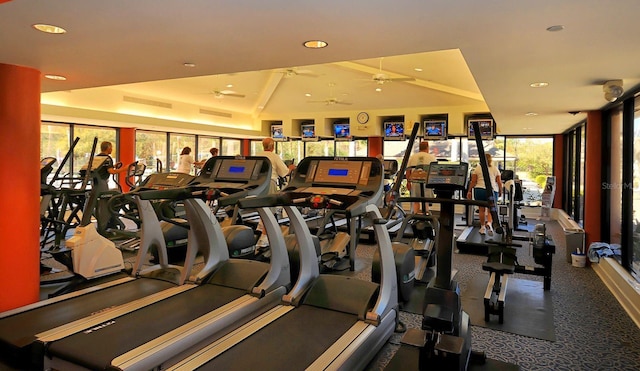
363, 117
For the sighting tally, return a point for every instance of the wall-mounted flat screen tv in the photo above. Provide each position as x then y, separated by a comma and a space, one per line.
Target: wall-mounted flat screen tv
487, 129
277, 132
393, 130
435, 129
308, 132
341, 131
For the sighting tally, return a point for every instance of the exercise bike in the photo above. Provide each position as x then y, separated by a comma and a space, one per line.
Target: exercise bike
502, 261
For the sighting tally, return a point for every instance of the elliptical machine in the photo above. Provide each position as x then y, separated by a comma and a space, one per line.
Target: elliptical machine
444, 341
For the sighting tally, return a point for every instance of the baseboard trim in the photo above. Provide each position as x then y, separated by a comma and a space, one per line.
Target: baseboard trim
622, 285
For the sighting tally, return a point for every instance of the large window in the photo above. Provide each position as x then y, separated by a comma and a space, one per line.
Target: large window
355, 148
231, 147
321, 148
177, 142
291, 150
531, 159
82, 151
255, 147
55, 141
614, 186
204, 145
634, 256
151, 149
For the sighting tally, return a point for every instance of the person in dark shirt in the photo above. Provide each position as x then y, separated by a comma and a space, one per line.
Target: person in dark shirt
101, 175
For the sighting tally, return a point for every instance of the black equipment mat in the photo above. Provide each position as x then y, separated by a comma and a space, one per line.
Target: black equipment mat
528, 308
96, 349
407, 358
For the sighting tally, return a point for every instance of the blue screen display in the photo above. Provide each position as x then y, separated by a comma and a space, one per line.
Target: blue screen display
341, 130
393, 129
338, 172
236, 169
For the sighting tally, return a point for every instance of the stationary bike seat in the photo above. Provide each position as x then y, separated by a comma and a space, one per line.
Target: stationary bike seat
498, 267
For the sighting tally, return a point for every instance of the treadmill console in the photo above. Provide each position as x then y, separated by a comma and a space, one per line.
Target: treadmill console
390, 168
339, 183
236, 177
165, 181
447, 176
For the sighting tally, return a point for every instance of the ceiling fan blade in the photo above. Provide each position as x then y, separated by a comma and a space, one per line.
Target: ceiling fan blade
342, 102
233, 95
401, 79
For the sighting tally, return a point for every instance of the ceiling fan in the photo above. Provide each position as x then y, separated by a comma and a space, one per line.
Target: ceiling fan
226, 93
381, 77
293, 72
330, 101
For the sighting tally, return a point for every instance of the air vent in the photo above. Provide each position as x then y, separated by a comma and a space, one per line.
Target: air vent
148, 102
215, 113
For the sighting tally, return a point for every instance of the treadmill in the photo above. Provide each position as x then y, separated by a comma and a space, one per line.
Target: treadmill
325, 321
234, 291
20, 327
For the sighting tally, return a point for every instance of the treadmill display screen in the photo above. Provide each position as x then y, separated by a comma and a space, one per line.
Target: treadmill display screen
235, 170
338, 172
448, 174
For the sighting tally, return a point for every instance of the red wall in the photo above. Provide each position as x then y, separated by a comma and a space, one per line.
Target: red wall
20, 180
593, 178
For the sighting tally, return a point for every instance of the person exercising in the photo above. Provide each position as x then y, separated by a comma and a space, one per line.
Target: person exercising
480, 192
278, 167
100, 180
421, 159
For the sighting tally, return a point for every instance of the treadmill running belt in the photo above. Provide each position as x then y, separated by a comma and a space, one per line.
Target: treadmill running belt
292, 342
96, 349
20, 330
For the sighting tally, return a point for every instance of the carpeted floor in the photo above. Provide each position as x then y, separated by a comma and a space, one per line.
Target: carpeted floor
593, 332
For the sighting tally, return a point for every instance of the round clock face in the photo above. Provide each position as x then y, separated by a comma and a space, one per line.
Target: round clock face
363, 117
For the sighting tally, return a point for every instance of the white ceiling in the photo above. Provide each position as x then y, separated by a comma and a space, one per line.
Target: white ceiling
473, 54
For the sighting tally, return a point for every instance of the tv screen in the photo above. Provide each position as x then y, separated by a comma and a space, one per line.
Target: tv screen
486, 129
277, 132
394, 130
308, 132
435, 129
341, 131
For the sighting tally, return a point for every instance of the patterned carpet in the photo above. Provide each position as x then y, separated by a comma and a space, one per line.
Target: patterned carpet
593, 331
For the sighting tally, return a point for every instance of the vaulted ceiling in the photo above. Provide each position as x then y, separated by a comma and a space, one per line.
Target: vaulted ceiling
127, 59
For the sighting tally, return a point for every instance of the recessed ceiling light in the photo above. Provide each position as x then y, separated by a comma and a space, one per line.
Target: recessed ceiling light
555, 28
315, 44
55, 77
539, 84
417, 69
49, 28
229, 85
307, 95
189, 64
378, 89
531, 114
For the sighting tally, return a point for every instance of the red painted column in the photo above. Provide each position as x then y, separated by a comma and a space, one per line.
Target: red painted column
375, 146
20, 180
558, 169
593, 178
246, 147
127, 152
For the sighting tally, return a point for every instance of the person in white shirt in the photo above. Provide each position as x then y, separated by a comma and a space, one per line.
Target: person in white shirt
421, 159
480, 191
185, 161
278, 167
